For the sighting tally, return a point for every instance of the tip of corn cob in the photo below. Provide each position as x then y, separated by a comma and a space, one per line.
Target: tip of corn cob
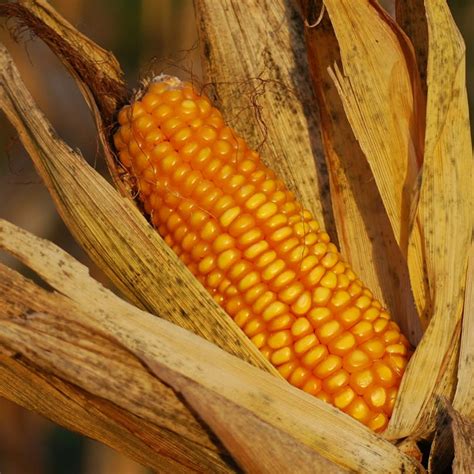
172, 83
262, 257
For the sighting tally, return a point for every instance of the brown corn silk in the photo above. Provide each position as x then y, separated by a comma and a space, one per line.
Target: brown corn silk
264, 259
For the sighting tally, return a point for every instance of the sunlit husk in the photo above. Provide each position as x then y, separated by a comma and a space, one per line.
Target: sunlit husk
445, 215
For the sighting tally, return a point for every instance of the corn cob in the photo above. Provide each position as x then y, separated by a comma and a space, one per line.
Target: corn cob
263, 258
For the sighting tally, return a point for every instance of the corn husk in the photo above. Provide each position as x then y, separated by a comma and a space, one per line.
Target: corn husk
445, 214
464, 397
364, 231
378, 78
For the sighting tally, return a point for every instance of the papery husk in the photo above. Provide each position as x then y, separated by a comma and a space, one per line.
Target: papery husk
288, 428
73, 374
464, 397
96, 71
380, 91
411, 16
445, 214
254, 61
451, 450
463, 434
364, 232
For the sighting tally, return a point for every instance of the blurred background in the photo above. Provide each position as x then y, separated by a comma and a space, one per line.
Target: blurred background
146, 36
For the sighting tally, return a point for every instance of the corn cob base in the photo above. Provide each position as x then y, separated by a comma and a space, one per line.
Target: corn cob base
264, 259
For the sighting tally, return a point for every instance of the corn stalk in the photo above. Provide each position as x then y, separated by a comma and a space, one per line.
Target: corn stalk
391, 108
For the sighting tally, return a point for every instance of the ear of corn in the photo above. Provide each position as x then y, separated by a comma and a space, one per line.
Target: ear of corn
263, 258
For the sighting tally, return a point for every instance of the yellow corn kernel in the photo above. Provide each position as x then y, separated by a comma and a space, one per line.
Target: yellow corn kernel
283, 321
305, 343
279, 339
301, 327
314, 356
336, 381
262, 257
344, 397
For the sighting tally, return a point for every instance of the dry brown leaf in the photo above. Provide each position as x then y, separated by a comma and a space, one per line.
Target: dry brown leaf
464, 398
254, 55
365, 235
444, 214
247, 449
411, 17
126, 406
451, 450
96, 71
441, 451
79, 411
382, 99
180, 359
463, 434
114, 233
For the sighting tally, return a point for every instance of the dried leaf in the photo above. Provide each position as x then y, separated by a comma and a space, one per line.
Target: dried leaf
464, 398
254, 52
411, 17
380, 91
79, 411
444, 214
96, 71
365, 235
45, 328
248, 449
441, 453
114, 233
463, 434
452, 445
181, 360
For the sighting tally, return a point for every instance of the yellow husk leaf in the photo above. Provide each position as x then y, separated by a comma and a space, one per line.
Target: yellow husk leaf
464, 398
253, 54
85, 381
97, 72
445, 214
380, 91
204, 375
365, 235
412, 19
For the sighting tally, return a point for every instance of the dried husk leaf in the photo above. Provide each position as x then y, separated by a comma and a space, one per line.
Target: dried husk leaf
463, 434
445, 214
451, 450
96, 71
109, 395
411, 17
379, 88
80, 411
113, 232
282, 452
441, 452
364, 232
254, 52
183, 361
464, 398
